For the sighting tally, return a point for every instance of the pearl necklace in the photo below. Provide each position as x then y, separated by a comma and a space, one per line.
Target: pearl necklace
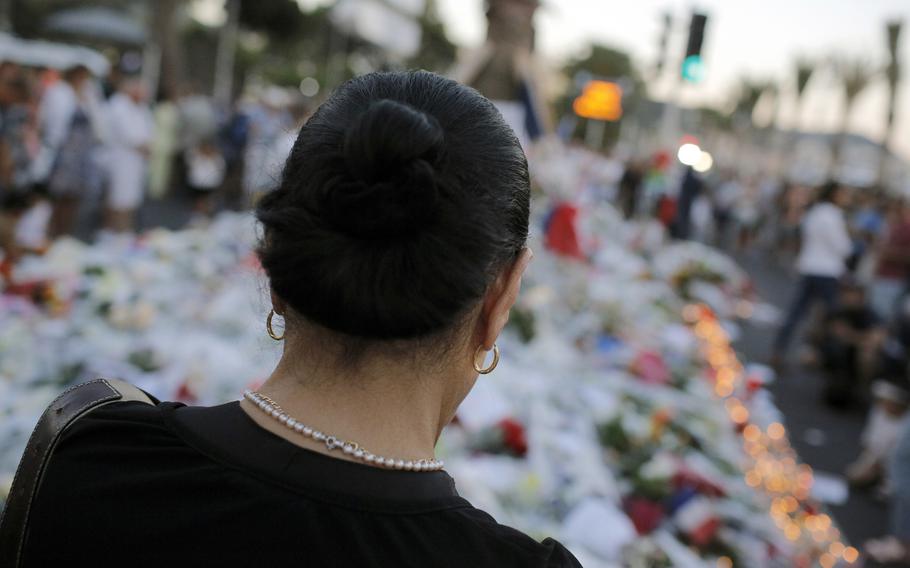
271, 408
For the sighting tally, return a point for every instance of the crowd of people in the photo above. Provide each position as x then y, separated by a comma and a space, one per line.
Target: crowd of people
851, 250
78, 151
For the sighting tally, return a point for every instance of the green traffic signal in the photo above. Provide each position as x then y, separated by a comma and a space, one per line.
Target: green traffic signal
693, 69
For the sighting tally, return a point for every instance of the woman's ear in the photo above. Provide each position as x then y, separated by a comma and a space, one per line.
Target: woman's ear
500, 298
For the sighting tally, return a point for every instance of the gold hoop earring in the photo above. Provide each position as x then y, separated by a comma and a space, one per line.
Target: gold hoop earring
268, 327
487, 370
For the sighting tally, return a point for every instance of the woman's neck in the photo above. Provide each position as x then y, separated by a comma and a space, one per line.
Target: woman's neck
389, 411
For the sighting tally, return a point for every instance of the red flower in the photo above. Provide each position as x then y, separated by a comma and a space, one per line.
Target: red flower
651, 367
754, 383
704, 533
185, 394
513, 436
561, 234
688, 478
646, 515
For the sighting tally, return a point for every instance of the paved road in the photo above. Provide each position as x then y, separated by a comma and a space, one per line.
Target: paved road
826, 439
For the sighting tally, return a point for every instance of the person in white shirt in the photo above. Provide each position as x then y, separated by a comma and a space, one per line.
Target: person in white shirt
130, 127
205, 170
68, 127
821, 262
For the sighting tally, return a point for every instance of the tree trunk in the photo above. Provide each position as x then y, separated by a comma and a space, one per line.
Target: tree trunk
164, 32
796, 137
840, 143
224, 62
889, 129
893, 73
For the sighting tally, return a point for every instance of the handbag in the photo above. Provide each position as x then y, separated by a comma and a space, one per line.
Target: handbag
70, 406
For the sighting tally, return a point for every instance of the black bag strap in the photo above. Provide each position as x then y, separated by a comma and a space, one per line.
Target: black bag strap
71, 405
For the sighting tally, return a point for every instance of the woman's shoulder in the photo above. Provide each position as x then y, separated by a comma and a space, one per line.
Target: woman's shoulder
510, 547
128, 423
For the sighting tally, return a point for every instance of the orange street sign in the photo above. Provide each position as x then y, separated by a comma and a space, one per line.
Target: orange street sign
600, 100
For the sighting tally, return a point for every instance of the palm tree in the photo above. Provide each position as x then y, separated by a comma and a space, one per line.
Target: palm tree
892, 72
855, 76
746, 98
749, 93
771, 93
805, 68
166, 33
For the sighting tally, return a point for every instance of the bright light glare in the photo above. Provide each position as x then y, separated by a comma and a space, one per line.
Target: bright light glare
704, 163
309, 87
689, 154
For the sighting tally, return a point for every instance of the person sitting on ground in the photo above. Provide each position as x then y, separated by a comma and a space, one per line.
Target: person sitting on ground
891, 395
883, 427
848, 344
894, 549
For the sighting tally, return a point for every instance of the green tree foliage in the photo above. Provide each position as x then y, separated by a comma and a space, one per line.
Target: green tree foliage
748, 93
279, 20
28, 16
603, 61
804, 70
436, 52
855, 75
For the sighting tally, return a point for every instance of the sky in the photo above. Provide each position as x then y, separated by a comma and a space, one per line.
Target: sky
760, 39
755, 38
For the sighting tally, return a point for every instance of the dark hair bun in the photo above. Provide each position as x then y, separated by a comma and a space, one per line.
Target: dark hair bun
390, 151
404, 196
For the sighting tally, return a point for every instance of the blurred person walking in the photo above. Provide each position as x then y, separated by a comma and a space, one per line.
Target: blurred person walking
868, 225
16, 127
747, 214
723, 199
232, 140
794, 201
821, 262
630, 188
130, 133
68, 123
164, 148
269, 123
690, 189
198, 121
892, 272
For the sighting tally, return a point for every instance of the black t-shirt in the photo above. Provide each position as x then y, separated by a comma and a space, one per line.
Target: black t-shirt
136, 485
859, 318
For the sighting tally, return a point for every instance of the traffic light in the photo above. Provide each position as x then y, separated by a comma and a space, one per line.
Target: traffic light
692, 67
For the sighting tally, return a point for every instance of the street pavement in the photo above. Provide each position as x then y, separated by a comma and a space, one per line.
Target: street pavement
825, 438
